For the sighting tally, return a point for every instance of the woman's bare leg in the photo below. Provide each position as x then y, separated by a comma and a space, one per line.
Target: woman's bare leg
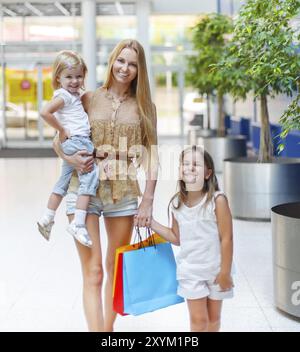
119, 230
92, 271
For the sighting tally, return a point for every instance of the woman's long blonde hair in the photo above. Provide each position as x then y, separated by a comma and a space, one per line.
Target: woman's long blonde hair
66, 59
210, 186
140, 88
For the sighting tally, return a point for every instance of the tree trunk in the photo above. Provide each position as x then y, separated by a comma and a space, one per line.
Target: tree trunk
208, 111
266, 143
221, 120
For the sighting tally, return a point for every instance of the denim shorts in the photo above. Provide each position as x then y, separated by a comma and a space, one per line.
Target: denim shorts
125, 207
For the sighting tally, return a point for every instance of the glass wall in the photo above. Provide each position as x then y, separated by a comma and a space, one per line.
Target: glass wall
37, 39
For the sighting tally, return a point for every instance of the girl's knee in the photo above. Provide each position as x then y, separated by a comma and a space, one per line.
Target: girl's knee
93, 275
214, 325
199, 323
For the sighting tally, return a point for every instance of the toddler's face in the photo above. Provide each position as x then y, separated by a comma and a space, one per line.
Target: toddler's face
72, 79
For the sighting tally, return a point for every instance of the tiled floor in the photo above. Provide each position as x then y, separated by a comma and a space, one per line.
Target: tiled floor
40, 282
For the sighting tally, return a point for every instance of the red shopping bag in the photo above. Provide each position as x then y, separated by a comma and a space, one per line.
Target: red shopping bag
118, 299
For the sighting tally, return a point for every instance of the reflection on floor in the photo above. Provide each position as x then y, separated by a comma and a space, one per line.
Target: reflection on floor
40, 282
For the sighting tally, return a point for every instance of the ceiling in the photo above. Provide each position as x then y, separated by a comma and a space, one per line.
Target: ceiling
65, 8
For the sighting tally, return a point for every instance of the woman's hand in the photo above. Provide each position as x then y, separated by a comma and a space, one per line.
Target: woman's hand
224, 281
82, 161
143, 217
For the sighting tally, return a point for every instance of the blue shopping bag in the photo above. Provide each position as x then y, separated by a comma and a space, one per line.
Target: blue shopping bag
149, 279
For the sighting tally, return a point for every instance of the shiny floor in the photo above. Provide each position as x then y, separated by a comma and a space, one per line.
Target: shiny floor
40, 282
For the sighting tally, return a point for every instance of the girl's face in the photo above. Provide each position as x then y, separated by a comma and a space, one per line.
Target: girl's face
125, 67
194, 171
72, 79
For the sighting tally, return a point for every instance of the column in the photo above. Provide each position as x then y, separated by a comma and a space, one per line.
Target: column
143, 23
89, 41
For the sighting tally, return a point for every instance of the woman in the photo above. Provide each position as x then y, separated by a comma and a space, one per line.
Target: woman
122, 116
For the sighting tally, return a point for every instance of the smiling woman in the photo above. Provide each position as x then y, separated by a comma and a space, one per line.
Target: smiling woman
125, 67
121, 110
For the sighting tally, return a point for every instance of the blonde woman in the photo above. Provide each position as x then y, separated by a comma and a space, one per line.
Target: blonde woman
123, 125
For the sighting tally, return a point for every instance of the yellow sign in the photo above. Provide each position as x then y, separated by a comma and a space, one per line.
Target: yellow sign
22, 85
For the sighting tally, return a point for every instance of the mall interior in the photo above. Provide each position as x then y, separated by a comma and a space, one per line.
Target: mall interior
40, 282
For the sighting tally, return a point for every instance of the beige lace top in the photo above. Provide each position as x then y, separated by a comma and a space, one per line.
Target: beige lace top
115, 128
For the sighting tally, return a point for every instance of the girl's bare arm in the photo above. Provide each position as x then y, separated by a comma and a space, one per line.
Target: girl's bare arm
169, 234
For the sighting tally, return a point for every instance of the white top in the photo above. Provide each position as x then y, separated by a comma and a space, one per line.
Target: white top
200, 250
72, 116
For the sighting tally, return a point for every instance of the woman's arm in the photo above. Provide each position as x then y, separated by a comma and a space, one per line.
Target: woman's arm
224, 221
86, 100
169, 234
82, 161
144, 216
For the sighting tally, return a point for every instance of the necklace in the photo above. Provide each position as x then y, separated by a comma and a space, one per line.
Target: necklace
117, 97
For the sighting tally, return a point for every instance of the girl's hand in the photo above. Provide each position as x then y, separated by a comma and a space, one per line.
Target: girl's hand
143, 217
224, 281
82, 161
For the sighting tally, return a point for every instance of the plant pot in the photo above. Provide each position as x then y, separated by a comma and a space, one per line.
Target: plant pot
254, 188
195, 132
286, 258
221, 148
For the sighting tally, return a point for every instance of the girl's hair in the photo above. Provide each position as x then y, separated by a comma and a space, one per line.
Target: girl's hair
66, 59
140, 88
210, 186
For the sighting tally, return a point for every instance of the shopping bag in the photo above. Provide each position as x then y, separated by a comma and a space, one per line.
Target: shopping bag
118, 299
149, 279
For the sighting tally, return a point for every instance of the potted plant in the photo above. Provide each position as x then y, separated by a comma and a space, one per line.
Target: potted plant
262, 58
209, 37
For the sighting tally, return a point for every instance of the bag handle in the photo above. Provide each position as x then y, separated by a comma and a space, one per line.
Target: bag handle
149, 238
139, 237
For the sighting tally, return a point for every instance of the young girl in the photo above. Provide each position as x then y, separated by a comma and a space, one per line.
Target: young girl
202, 226
65, 113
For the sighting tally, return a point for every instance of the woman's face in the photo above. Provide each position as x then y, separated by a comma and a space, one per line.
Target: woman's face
125, 67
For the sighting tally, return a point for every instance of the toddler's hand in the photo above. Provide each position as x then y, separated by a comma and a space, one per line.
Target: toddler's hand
63, 135
224, 281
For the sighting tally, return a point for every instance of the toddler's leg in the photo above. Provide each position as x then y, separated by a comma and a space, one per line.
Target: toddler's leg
77, 227
47, 220
81, 208
88, 184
